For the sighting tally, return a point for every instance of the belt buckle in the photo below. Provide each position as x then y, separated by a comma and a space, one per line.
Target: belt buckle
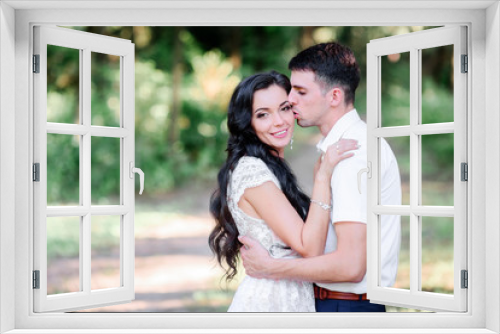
322, 293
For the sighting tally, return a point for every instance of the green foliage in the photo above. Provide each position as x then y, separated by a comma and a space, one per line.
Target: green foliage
209, 61
63, 179
63, 236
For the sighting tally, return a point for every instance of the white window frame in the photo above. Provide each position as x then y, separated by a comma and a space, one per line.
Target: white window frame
16, 22
414, 43
85, 43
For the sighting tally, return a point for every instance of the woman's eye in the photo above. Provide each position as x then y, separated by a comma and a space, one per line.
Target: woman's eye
286, 108
261, 115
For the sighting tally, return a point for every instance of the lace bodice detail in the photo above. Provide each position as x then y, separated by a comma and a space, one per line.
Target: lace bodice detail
249, 173
263, 295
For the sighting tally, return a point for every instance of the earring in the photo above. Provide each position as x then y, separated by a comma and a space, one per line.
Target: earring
291, 144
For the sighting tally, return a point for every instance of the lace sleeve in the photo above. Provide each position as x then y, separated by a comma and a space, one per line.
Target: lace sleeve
249, 173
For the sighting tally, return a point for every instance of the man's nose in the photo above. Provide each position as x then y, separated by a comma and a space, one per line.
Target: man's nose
291, 98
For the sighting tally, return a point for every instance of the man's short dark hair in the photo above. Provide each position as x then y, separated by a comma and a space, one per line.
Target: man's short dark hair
333, 65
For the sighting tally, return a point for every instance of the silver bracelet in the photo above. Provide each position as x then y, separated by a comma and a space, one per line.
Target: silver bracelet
324, 206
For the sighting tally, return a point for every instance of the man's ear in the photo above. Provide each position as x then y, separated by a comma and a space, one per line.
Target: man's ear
336, 96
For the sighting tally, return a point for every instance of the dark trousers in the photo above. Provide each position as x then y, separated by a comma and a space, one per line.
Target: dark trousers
335, 305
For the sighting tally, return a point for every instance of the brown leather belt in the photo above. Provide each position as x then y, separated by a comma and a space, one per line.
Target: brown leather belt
322, 294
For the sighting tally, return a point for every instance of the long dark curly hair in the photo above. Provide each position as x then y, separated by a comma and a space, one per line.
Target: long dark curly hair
243, 141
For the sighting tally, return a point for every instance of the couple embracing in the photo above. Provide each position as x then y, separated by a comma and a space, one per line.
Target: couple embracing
301, 253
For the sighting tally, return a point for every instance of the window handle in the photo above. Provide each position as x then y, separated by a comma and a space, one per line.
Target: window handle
133, 170
367, 170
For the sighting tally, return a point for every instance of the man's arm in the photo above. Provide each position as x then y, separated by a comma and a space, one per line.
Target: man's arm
346, 264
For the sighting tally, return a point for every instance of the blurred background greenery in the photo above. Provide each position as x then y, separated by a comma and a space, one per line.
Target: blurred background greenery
184, 77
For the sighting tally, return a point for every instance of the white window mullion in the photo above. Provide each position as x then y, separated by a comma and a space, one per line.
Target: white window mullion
103, 131
460, 156
40, 156
434, 211
421, 129
80, 211
373, 98
127, 254
85, 167
423, 211
85, 254
85, 98
123, 181
415, 172
81, 130
67, 129
434, 129
402, 210
394, 131
109, 210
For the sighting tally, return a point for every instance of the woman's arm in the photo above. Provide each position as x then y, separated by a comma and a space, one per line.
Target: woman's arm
268, 202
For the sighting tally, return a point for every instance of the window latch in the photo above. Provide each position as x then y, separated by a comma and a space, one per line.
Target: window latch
367, 170
133, 170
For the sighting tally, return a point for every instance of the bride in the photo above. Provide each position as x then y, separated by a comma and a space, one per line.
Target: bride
258, 195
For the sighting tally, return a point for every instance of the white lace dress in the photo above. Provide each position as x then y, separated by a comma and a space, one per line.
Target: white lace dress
263, 295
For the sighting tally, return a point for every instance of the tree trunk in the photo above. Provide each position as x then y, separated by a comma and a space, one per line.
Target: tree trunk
306, 39
236, 47
177, 72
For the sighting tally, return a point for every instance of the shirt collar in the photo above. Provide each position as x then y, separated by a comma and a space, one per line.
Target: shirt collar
338, 130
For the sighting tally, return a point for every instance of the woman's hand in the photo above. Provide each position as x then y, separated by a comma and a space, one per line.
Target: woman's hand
334, 154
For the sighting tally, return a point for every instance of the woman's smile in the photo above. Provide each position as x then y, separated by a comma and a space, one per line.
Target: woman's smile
280, 134
272, 117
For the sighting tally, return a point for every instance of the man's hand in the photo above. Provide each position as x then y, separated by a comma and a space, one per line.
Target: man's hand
256, 259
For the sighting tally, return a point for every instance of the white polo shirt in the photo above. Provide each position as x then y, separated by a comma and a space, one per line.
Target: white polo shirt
349, 205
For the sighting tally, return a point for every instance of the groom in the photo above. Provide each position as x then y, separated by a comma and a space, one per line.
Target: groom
324, 80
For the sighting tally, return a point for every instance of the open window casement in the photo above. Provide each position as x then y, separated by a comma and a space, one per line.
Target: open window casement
66, 131
421, 135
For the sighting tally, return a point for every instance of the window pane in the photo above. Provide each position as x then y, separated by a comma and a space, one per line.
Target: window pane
105, 170
63, 169
63, 255
437, 169
63, 84
105, 89
105, 236
437, 254
400, 146
395, 91
437, 84
395, 251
